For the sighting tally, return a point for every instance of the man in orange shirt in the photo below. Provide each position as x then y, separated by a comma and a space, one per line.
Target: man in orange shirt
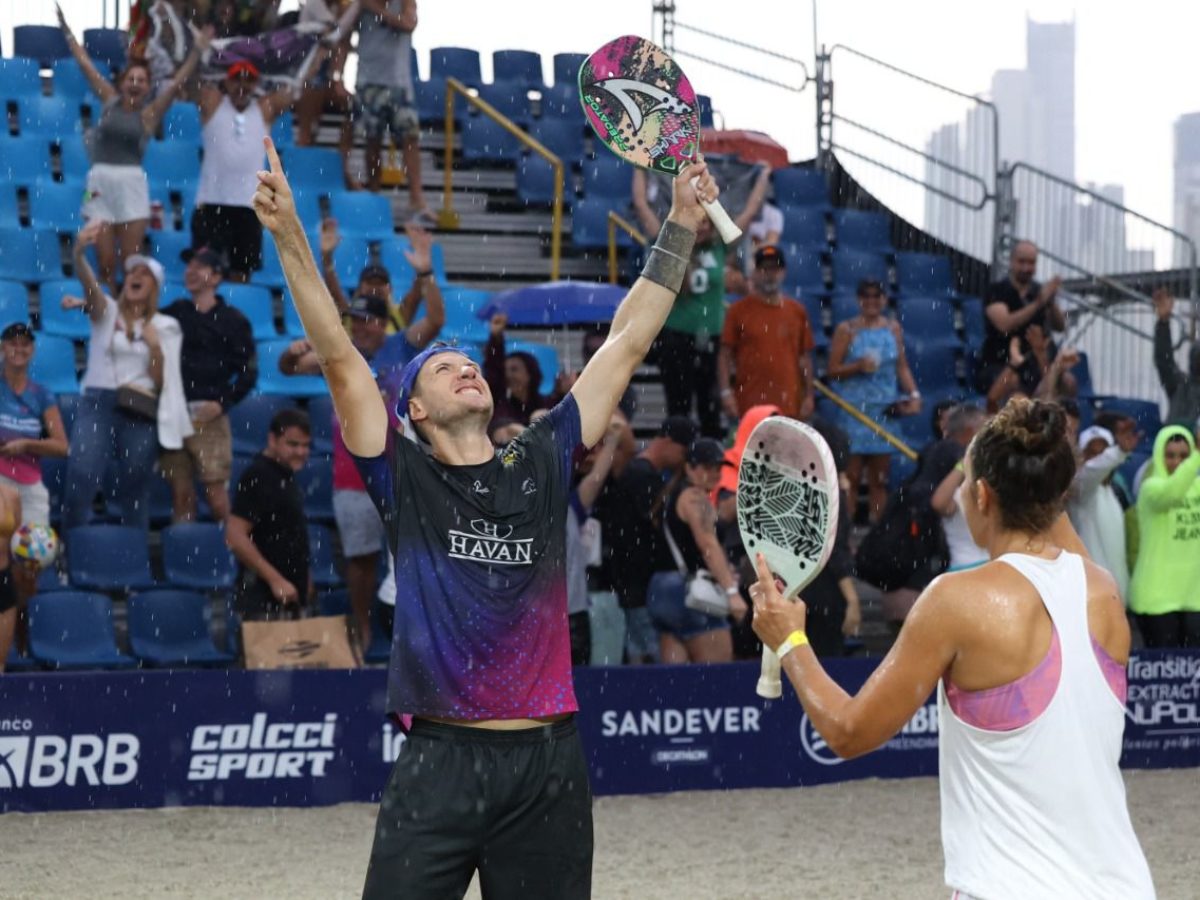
766, 346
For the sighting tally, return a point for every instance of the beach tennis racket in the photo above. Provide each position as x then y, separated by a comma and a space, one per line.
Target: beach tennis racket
787, 509
644, 109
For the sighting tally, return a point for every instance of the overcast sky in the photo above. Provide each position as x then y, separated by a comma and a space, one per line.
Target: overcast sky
1135, 69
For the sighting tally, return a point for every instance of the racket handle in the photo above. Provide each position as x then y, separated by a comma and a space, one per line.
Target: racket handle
770, 685
716, 213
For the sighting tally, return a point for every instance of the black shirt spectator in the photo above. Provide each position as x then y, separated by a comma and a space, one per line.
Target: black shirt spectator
1182, 388
217, 360
995, 342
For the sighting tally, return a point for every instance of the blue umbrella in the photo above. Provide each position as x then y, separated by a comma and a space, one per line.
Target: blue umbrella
557, 303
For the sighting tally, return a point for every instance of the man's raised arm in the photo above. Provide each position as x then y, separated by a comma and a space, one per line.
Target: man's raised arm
356, 397
641, 314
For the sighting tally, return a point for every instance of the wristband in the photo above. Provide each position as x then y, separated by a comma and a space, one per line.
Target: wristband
794, 640
731, 592
669, 256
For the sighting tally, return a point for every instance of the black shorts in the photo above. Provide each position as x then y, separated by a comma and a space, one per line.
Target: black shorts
232, 230
8, 593
516, 805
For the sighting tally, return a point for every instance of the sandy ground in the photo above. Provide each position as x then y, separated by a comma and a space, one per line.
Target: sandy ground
867, 839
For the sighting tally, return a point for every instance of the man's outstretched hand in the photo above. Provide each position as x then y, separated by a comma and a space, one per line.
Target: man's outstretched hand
272, 199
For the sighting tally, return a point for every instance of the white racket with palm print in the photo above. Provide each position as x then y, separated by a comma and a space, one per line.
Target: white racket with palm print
787, 508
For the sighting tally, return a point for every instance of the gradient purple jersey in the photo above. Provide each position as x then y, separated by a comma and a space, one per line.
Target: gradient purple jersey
481, 582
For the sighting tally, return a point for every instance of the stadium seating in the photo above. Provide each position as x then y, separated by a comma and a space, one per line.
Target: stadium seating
8, 197
165, 246
53, 366
44, 43
607, 177
24, 163
169, 628
391, 257
934, 364
55, 206
74, 630
271, 274
431, 103
861, 230
320, 416
272, 381
19, 78
796, 186
535, 182
349, 259
927, 319
321, 559
852, 266
283, 131
362, 214
509, 98
461, 322
315, 481
561, 137
546, 356
108, 558
843, 305
69, 82
14, 303
182, 123
250, 419
174, 164
16, 662
314, 169
52, 117
485, 140
924, 273
195, 556
804, 275
68, 323
72, 156
973, 324
520, 66
255, 303
334, 603
1145, 413
589, 223
29, 255
106, 45
562, 102
566, 68
1083, 380
455, 62
804, 225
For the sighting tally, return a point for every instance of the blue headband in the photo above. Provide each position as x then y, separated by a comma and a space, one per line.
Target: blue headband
408, 375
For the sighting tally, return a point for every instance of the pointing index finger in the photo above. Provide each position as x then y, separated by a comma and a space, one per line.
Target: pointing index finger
273, 156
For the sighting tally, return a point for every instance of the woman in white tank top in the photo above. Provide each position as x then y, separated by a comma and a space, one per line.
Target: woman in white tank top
1027, 654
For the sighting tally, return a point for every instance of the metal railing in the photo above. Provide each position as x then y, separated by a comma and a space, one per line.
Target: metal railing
448, 218
855, 413
615, 221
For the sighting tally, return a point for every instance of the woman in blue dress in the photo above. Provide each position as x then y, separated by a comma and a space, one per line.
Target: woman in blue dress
867, 358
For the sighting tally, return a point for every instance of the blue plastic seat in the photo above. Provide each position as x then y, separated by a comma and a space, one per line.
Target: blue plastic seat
29, 255
174, 164
974, 325
256, 304
14, 303
455, 62
44, 43
53, 367
272, 381
165, 246
70, 83
800, 186
334, 603
462, 323
927, 319
68, 323
509, 98
484, 140
522, 66
546, 356
320, 556
805, 274
852, 266
19, 78
431, 102
24, 163
843, 305
589, 223
349, 259
934, 364
169, 628
195, 556
16, 662
250, 419
54, 117
107, 45
804, 226
566, 68
315, 481
561, 137
1083, 379
862, 230
271, 273
108, 558
182, 123
316, 169
9, 210
606, 176
392, 258
73, 157
562, 102
55, 206
924, 273
320, 417
362, 214
283, 131
74, 630
535, 182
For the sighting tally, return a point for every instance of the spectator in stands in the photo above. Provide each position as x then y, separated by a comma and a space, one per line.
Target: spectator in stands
593, 339
384, 102
117, 191
326, 89
501, 431
1041, 370
10, 519
376, 281
1183, 390
31, 425
1010, 307
867, 357
1093, 505
219, 367
631, 542
117, 420
515, 378
1165, 590
359, 525
234, 126
766, 346
947, 499
689, 524
686, 349
244, 18
266, 530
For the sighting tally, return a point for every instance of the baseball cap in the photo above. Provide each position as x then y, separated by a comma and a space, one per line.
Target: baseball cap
707, 452
679, 429
243, 68
374, 272
155, 267
17, 330
362, 307
208, 256
1094, 432
769, 253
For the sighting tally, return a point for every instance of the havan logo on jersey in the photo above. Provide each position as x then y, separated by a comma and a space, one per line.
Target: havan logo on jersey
491, 543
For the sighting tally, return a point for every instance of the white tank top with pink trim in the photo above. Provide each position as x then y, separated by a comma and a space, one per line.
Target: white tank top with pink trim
1039, 811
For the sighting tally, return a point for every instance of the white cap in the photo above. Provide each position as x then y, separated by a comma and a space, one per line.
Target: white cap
155, 267
1093, 432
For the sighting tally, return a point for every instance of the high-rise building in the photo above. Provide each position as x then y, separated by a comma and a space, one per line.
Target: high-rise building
1187, 180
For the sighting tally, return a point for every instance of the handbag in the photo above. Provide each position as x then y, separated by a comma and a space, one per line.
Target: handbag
320, 642
137, 403
702, 592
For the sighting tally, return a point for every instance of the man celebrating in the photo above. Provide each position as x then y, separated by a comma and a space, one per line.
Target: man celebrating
492, 775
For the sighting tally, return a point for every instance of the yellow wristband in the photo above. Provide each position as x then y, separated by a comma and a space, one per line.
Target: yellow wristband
793, 640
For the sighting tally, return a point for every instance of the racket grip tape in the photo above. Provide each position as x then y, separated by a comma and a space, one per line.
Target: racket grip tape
716, 213
770, 685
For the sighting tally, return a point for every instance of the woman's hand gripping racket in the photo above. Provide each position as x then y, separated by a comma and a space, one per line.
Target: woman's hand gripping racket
642, 106
787, 508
